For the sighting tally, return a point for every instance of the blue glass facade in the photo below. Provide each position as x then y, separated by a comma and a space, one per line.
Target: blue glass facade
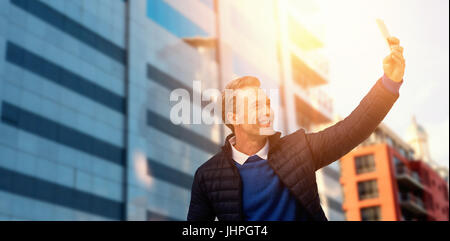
172, 20
84, 89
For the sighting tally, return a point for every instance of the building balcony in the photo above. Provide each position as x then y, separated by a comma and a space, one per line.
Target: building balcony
309, 68
408, 178
313, 104
309, 62
412, 204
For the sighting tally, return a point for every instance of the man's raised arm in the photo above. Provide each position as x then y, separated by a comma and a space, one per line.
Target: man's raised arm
333, 142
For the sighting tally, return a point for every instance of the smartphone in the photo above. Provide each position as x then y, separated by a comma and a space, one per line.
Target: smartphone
384, 31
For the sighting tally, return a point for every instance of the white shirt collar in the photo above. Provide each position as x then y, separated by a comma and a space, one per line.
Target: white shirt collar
240, 157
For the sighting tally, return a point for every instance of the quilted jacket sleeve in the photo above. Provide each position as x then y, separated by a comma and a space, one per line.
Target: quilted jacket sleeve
335, 141
200, 208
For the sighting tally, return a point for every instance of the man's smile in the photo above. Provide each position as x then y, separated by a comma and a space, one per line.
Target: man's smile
264, 124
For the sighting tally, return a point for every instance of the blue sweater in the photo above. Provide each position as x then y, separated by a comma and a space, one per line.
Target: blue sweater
264, 197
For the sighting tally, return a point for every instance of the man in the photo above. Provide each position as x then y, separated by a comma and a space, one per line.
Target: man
259, 176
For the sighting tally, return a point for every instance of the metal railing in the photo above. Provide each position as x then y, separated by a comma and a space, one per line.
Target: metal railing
403, 170
410, 197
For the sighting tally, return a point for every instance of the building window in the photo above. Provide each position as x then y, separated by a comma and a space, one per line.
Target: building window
367, 189
173, 21
445, 192
209, 3
410, 155
400, 168
397, 161
365, 164
415, 176
389, 141
370, 214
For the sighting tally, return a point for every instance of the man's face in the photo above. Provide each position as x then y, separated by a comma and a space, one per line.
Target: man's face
253, 113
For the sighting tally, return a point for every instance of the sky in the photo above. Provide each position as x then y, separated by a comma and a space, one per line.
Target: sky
356, 50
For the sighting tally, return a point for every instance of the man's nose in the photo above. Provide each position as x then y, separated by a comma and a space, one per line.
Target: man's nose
264, 112
268, 111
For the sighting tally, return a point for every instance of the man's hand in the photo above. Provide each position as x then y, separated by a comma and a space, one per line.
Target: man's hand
394, 63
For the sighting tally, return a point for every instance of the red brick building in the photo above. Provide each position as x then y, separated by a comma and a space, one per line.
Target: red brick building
435, 193
381, 181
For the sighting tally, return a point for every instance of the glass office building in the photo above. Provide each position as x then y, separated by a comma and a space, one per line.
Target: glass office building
85, 107
85, 87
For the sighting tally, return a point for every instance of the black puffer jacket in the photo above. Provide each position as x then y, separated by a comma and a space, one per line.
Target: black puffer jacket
217, 187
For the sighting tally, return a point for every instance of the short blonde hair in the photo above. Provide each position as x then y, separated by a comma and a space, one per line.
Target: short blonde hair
235, 84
